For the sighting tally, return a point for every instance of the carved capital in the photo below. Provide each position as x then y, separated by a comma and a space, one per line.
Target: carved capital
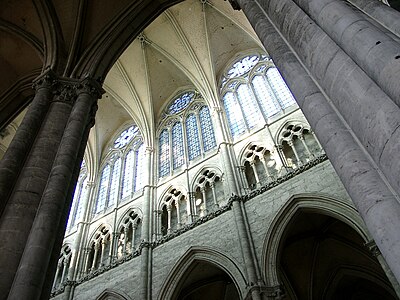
46, 80
91, 87
65, 91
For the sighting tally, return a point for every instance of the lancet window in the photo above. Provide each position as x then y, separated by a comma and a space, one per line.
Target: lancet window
209, 192
186, 132
259, 165
120, 175
99, 253
80, 194
174, 211
63, 265
298, 144
129, 234
252, 91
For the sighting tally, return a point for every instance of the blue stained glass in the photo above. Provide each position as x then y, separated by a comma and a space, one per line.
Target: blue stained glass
234, 115
265, 96
280, 88
164, 166
103, 189
243, 66
127, 181
114, 186
249, 105
181, 102
82, 197
192, 133
140, 167
177, 145
126, 136
207, 130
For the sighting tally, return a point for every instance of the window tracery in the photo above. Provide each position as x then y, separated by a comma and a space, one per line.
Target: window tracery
129, 234
62, 267
299, 144
259, 165
186, 132
208, 192
174, 209
99, 253
252, 91
119, 176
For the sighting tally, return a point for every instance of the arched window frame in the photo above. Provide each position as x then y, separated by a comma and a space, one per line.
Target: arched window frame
119, 150
169, 119
79, 195
253, 65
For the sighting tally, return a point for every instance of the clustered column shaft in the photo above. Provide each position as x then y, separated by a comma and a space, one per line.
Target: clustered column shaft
310, 69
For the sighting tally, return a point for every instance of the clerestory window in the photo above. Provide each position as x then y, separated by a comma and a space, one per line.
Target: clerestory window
80, 194
252, 91
186, 132
122, 172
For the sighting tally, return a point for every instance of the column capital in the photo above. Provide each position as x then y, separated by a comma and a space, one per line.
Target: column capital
149, 149
46, 80
90, 86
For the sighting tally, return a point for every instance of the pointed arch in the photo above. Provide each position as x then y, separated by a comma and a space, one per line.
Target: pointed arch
205, 254
109, 294
318, 203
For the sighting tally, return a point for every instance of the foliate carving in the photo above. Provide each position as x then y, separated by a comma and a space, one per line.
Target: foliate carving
65, 91
46, 80
91, 87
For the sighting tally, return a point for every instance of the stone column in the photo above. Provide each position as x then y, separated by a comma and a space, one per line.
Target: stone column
19, 214
374, 199
148, 201
380, 12
247, 252
16, 154
29, 278
374, 51
366, 109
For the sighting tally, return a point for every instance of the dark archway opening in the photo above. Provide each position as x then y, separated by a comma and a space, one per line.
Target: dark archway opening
323, 258
205, 281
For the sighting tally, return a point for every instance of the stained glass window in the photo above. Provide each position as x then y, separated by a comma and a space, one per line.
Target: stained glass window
180, 103
234, 115
126, 136
207, 130
252, 91
177, 145
140, 167
263, 91
127, 183
103, 189
249, 106
79, 196
196, 128
114, 185
192, 134
164, 153
79, 208
280, 88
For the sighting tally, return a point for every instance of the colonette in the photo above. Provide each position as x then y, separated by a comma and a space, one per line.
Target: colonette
341, 59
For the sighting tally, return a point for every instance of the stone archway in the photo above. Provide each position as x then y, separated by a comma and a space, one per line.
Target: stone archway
204, 272
320, 249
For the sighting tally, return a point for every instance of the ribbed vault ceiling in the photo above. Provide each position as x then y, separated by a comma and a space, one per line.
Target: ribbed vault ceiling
187, 46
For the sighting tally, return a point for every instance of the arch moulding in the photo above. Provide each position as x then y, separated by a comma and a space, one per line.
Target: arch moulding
315, 203
193, 254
